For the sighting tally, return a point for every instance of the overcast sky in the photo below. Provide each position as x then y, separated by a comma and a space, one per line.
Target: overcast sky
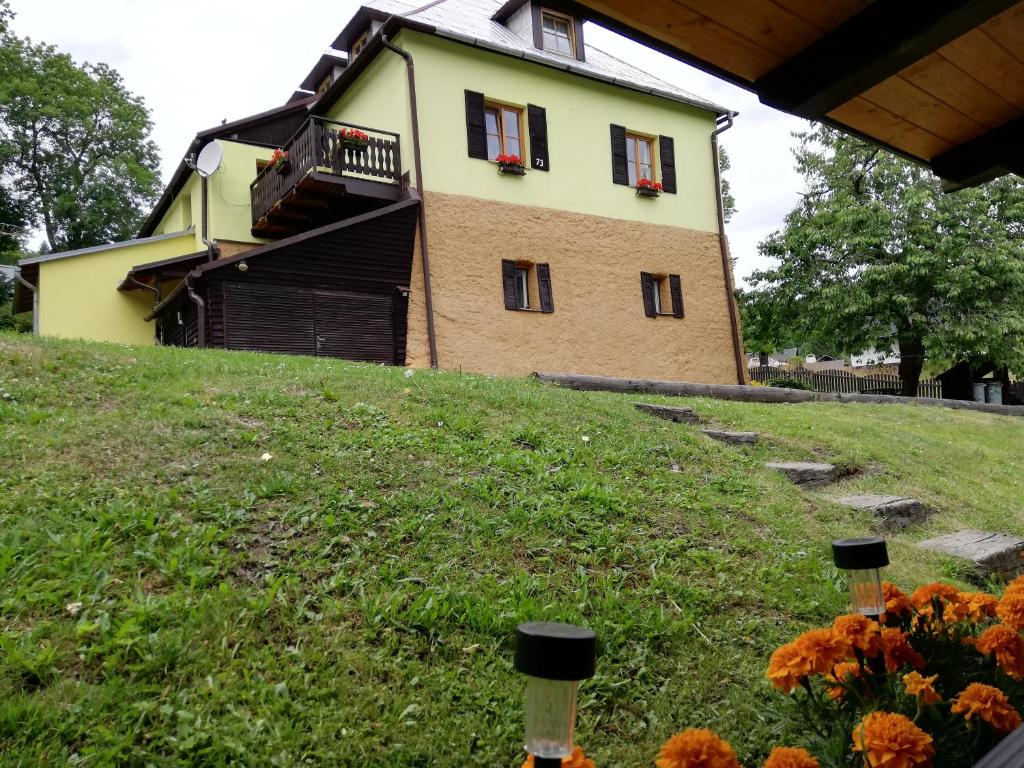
197, 62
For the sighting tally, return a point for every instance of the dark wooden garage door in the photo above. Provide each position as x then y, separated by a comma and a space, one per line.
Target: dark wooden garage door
355, 326
300, 321
269, 318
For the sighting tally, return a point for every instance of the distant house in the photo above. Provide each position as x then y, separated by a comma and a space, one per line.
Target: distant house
871, 357
518, 200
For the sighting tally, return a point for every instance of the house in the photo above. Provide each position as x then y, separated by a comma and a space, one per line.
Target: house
871, 357
467, 184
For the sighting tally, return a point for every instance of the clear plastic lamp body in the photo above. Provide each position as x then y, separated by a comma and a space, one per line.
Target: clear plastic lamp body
866, 592
550, 716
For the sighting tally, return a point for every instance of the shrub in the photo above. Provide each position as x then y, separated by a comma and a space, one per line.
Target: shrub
788, 383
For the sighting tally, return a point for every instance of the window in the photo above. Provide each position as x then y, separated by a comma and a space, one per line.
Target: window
661, 292
639, 158
559, 35
359, 44
523, 287
503, 126
527, 286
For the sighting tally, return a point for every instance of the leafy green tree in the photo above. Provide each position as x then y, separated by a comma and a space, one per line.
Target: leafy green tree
728, 201
74, 144
877, 254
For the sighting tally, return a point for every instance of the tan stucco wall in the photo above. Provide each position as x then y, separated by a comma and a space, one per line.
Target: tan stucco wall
598, 325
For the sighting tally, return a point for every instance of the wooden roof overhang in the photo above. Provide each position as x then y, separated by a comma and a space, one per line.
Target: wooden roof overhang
145, 276
941, 82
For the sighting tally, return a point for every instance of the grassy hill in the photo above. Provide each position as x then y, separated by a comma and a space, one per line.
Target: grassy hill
167, 596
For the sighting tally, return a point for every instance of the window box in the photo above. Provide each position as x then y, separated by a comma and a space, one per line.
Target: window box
354, 140
511, 165
647, 188
279, 162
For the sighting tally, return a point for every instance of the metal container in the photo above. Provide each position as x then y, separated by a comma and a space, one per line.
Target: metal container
994, 393
979, 391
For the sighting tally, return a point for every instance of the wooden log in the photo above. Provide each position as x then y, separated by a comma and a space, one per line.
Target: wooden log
750, 394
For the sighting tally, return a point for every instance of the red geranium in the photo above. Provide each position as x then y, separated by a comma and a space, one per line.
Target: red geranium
508, 160
277, 158
646, 183
354, 134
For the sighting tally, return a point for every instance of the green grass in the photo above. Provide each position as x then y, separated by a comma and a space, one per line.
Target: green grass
352, 600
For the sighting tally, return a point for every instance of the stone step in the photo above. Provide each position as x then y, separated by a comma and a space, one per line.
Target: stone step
804, 473
891, 512
732, 438
669, 412
991, 554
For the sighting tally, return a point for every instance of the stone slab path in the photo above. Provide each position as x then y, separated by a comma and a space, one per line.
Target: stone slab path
671, 413
991, 553
732, 438
892, 512
806, 474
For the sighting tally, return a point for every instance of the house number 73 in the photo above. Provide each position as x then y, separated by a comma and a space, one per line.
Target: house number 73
538, 162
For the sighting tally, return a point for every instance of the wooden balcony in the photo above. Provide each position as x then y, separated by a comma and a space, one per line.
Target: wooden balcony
326, 179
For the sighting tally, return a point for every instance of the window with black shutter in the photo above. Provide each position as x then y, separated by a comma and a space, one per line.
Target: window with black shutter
620, 166
476, 127
525, 285
667, 151
537, 119
661, 291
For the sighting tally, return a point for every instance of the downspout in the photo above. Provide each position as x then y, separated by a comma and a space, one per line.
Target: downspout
200, 311
35, 301
206, 217
724, 125
424, 250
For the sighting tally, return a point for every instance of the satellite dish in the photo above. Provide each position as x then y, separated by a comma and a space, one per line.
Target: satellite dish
209, 159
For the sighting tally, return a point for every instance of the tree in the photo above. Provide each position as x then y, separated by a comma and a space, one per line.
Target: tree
728, 201
74, 145
876, 253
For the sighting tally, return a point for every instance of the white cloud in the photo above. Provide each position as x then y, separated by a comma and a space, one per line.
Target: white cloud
197, 62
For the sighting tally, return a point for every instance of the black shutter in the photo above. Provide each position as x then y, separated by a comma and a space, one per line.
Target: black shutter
508, 282
538, 26
675, 287
476, 130
537, 117
647, 284
620, 169
580, 53
547, 304
667, 150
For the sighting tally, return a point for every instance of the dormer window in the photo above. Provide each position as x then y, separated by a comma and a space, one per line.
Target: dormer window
359, 44
559, 33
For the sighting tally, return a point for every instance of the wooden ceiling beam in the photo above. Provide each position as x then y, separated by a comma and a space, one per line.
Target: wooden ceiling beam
867, 49
983, 158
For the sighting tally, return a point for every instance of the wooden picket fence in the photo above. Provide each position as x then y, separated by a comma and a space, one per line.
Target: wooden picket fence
844, 381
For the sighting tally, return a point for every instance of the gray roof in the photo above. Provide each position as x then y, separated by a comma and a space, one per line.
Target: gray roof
470, 21
104, 247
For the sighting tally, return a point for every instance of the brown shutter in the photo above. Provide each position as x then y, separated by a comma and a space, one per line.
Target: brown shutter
537, 117
580, 51
675, 287
476, 129
508, 282
647, 285
547, 304
620, 169
667, 150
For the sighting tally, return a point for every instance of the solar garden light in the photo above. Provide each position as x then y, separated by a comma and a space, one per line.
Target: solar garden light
863, 559
554, 657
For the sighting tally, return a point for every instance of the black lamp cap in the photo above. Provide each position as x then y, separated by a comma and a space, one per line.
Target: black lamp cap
555, 651
860, 554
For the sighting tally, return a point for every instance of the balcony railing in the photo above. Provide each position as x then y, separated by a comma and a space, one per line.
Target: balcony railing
318, 147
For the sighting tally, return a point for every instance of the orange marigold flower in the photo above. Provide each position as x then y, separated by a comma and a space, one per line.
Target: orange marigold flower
842, 673
979, 605
696, 748
953, 608
1007, 646
1011, 610
889, 740
786, 667
575, 760
791, 757
897, 650
922, 687
989, 704
896, 601
822, 649
1017, 585
860, 632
